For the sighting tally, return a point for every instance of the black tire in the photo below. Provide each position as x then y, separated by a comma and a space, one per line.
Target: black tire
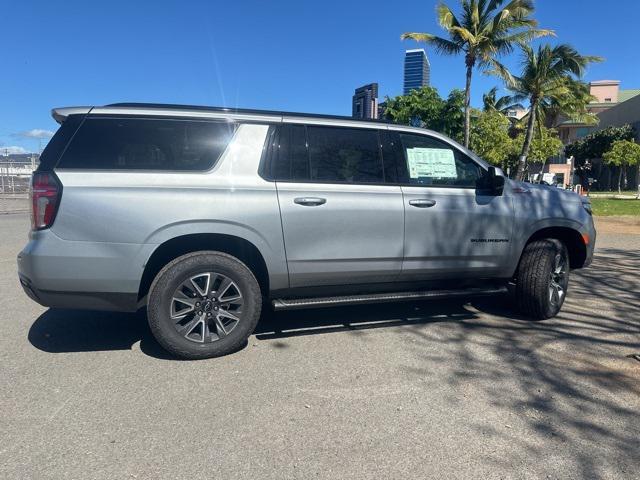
536, 277
209, 337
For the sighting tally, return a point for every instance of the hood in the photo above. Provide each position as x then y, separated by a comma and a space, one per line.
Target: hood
548, 191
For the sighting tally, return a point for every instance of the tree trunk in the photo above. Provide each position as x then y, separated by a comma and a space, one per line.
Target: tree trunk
467, 102
638, 180
620, 180
544, 163
531, 123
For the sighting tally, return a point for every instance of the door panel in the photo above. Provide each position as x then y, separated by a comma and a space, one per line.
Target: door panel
341, 234
452, 230
460, 233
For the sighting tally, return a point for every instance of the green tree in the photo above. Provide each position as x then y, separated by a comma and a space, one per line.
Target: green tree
622, 154
421, 108
484, 30
593, 146
490, 137
544, 145
545, 79
425, 108
503, 104
597, 143
572, 105
452, 116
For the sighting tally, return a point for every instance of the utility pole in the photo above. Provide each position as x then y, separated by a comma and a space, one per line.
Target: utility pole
6, 152
11, 179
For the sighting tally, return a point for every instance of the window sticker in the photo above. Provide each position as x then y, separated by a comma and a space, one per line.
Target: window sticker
431, 163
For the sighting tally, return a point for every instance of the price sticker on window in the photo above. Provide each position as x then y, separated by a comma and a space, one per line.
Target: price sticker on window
431, 163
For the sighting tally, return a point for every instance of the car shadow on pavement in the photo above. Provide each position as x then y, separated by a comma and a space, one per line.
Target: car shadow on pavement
64, 331
57, 331
295, 323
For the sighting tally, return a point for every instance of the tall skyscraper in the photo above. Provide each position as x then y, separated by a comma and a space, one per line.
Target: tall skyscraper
365, 102
417, 70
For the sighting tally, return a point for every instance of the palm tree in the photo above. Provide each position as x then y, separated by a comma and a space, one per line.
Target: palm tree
548, 77
485, 30
503, 104
572, 106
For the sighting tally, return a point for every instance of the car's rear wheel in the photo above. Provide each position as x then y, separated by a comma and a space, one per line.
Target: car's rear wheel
542, 279
203, 304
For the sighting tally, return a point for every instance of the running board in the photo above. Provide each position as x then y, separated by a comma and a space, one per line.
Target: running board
299, 303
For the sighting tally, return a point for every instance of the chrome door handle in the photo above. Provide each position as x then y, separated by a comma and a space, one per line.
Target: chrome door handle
422, 202
310, 201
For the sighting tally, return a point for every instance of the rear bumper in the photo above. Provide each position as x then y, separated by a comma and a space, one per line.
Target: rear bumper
84, 275
118, 302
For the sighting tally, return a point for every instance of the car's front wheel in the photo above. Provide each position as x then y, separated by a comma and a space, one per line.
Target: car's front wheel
203, 304
542, 279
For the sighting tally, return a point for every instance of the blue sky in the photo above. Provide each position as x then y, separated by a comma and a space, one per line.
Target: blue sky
279, 54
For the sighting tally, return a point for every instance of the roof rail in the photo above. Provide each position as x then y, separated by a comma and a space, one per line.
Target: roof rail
247, 111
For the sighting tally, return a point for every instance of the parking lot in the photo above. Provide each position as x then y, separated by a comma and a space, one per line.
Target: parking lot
455, 389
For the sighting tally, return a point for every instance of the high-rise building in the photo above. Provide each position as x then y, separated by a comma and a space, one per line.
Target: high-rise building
417, 70
365, 102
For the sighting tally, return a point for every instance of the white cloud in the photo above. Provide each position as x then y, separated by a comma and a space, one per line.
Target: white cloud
12, 150
35, 133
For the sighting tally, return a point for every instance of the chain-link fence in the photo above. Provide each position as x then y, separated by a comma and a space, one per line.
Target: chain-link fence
14, 187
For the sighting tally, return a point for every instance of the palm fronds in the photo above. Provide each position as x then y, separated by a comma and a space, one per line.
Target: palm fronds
482, 31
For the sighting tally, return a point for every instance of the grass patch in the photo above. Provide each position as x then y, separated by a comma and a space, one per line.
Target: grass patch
615, 206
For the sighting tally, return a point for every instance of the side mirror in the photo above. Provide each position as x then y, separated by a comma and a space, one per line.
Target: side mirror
490, 183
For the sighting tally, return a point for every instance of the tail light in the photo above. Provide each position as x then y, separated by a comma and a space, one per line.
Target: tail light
45, 198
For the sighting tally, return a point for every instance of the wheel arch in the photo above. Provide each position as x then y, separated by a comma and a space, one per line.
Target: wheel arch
570, 237
242, 249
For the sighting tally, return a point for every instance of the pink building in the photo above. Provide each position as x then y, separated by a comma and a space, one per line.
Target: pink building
607, 94
605, 91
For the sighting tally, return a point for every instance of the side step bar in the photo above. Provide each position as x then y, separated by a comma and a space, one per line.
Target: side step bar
299, 303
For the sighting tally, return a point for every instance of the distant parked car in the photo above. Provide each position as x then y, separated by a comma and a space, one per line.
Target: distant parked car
202, 214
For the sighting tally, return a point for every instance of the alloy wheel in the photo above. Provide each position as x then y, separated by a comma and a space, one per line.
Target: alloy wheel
558, 280
206, 307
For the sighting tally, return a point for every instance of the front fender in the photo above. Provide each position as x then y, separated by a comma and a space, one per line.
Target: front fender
526, 233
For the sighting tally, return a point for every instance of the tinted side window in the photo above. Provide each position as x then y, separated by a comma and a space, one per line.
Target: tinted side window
350, 155
432, 162
59, 142
290, 156
298, 153
392, 156
147, 144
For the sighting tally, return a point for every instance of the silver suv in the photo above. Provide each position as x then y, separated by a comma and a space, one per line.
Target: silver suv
204, 215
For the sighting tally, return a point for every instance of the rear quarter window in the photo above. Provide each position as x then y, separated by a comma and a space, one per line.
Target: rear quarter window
56, 146
147, 144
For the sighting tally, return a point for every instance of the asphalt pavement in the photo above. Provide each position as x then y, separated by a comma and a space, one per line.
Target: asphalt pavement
448, 389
